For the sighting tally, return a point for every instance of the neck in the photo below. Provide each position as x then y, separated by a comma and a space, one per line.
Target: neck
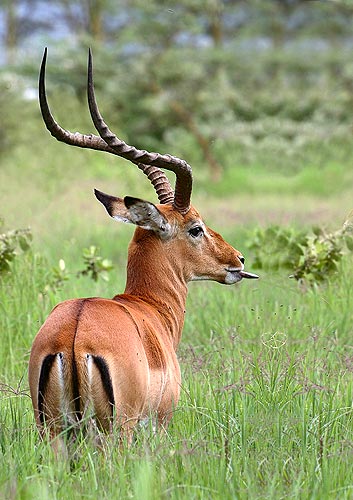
154, 277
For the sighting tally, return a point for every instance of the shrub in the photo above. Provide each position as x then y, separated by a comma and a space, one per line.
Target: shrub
310, 257
12, 242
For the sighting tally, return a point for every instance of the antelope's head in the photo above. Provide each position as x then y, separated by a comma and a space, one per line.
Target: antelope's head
198, 251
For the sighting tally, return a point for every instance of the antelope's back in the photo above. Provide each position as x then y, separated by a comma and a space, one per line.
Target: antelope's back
99, 355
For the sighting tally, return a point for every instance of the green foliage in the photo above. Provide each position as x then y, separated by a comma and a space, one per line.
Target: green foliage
10, 106
276, 247
16, 241
310, 257
12, 242
95, 265
58, 276
320, 256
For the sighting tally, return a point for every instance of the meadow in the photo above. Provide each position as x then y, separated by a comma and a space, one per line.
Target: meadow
266, 402
266, 407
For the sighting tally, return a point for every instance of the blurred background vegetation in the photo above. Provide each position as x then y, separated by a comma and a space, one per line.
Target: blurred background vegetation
256, 95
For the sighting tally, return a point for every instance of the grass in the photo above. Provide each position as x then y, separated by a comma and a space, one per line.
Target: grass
266, 405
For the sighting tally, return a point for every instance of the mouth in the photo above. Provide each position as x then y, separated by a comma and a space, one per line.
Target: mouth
236, 274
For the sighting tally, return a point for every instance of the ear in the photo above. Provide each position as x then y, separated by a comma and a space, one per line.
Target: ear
114, 206
135, 211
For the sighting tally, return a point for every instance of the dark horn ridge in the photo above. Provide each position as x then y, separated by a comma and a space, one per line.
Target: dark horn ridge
157, 178
183, 184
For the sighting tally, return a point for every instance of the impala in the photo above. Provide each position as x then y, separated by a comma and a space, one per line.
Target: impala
115, 359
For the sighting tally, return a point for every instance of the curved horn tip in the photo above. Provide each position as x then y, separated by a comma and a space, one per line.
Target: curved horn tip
44, 60
89, 74
90, 57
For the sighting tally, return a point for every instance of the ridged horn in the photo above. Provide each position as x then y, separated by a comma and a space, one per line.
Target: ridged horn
156, 176
183, 183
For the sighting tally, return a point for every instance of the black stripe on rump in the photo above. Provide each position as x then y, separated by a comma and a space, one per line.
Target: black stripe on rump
43, 382
103, 369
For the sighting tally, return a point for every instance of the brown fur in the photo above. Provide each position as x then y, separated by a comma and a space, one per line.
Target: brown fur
121, 352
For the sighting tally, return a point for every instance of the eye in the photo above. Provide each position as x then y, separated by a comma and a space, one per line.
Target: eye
196, 231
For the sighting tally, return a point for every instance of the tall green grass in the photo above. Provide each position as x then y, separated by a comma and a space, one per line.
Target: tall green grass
266, 401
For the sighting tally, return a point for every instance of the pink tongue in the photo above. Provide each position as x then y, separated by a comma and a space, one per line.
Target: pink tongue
250, 276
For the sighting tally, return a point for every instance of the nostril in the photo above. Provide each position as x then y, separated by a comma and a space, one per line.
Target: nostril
241, 258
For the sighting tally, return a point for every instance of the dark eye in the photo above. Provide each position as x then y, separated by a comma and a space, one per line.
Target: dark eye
196, 231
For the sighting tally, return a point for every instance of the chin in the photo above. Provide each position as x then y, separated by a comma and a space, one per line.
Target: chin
232, 278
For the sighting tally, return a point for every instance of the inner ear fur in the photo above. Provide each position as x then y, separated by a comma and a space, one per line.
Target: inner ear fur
146, 215
135, 211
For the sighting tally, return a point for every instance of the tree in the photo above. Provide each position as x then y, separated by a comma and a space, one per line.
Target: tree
11, 29
20, 23
89, 17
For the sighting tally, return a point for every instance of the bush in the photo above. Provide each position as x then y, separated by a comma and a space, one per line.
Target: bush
310, 257
12, 243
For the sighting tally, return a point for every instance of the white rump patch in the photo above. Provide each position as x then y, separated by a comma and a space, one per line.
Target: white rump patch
89, 368
60, 365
